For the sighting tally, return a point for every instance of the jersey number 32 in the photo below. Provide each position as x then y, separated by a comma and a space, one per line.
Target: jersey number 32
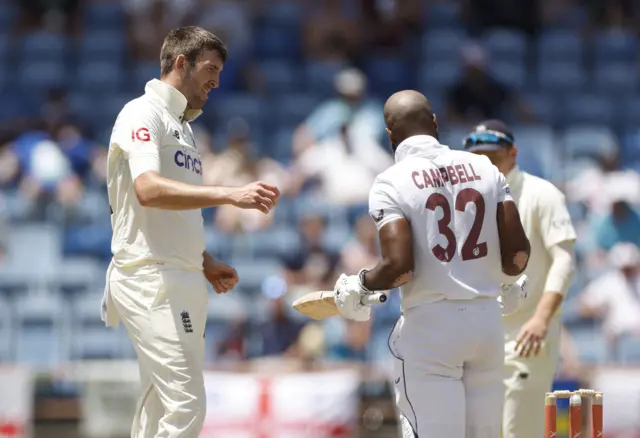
471, 249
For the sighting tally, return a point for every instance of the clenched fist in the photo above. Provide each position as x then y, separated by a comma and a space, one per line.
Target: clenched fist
256, 196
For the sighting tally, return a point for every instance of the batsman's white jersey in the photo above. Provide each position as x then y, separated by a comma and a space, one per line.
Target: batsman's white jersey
546, 222
450, 198
449, 341
155, 285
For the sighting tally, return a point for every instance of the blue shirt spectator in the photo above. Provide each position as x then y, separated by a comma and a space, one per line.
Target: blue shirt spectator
621, 225
363, 116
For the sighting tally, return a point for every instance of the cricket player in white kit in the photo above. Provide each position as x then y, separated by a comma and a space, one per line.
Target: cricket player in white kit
532, 334
450, 234
156, 282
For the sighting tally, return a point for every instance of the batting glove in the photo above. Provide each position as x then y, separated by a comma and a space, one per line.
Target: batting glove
513, 295
348, 294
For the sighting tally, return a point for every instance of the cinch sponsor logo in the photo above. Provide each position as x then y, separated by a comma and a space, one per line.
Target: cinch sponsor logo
188, 162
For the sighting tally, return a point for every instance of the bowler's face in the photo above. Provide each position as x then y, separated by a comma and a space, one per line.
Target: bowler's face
204, 77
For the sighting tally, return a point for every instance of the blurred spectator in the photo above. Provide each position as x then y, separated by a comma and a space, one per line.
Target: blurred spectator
236, 166
481, 15
311, 342
622, 221
328, 33
4, 229
363, 116
230, 20
313, 266
82, 153
279, 334
344, 167
148, 22
615, 296
347, 340
390, 22
586, 183
234, 345
562, 13
362, 250
43, 173
478, 96
9, 167
52, 15
87, 159
614, 14
56, 109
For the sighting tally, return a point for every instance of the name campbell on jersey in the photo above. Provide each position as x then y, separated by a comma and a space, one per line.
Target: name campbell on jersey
450, 199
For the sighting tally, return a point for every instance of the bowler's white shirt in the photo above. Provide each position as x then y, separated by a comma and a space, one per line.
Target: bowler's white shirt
429, 184
546, 222
152, 133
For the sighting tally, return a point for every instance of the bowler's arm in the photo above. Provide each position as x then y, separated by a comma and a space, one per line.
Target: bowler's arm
154, 190
558, 280
396, 239
138, 134
558, 236
207, 259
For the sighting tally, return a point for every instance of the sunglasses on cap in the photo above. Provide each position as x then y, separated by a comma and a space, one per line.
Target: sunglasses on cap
487, 140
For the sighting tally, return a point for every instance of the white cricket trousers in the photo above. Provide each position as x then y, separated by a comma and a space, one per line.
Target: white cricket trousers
526, 380
165, 314
448, 369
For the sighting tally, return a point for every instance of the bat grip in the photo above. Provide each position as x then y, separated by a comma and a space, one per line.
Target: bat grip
374, 298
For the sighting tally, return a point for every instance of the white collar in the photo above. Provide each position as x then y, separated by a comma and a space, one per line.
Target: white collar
417, 145
173, 100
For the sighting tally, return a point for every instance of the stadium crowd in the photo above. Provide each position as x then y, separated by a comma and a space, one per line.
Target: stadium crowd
300, 105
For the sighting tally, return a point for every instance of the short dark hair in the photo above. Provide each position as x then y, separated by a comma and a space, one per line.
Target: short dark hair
190, 41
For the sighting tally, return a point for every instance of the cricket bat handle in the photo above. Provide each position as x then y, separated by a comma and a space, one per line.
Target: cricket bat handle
374, 298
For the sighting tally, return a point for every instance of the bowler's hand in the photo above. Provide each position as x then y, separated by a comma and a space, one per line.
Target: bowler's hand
222, 277
530, 338
256, 196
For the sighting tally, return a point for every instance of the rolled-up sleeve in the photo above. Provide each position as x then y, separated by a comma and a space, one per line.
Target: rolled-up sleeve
562, 267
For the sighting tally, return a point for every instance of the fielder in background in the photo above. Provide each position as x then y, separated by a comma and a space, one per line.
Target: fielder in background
156, 282
532, 334
449, 233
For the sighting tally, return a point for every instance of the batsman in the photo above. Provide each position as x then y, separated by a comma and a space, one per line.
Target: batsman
532, 334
